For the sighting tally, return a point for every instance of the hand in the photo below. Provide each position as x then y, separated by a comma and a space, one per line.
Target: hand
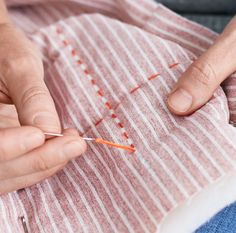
25, 156
22, 81
198, 83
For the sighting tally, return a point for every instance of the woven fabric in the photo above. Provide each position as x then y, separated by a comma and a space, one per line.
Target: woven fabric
223, 222
109, 66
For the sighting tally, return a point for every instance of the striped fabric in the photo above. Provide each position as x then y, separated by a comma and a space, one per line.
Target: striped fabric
109, 65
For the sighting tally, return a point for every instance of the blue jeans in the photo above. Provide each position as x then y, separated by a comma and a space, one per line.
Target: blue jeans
223, 222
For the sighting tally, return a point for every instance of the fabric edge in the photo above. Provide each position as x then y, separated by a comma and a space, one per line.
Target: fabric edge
201, 207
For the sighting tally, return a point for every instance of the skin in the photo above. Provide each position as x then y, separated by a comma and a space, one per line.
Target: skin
26, 156
198, 83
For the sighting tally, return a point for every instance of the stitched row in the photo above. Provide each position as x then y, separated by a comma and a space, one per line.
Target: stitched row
98, 90
152, 77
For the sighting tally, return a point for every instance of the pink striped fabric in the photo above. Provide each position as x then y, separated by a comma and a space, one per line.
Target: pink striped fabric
109, 65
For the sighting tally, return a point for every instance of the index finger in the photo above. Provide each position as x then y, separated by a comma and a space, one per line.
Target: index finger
18, 141
25, 81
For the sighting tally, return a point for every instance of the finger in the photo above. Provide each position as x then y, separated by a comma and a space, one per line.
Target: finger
54, 152
5, 98
8, 116
29, 93
18, 141
198, 83
17, 183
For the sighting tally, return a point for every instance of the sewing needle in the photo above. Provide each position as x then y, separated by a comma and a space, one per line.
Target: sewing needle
100, 141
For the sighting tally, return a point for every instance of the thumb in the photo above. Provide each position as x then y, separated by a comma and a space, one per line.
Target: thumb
30, 95
198, 83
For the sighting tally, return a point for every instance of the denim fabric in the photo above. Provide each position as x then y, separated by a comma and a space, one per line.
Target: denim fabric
215, 16
223, 222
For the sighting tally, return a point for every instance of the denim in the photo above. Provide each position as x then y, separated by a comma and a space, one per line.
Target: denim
223, 222
213, 14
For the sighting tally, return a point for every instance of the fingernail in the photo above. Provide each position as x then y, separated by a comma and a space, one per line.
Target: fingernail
72, 149
180, 100
33, 140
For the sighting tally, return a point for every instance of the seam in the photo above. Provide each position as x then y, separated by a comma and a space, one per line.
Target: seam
98, 90
152, 77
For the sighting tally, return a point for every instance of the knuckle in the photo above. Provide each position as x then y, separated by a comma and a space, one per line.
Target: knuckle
52, 171
203, 74
62, 157
18, 65
40, 164
34, 92
3, 152
11, 65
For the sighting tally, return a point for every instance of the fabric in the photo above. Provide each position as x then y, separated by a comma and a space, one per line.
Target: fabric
201, 6
214, 21
109, 66
223, 222
216, 15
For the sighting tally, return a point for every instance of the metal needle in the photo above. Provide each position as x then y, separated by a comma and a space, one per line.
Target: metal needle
61, 135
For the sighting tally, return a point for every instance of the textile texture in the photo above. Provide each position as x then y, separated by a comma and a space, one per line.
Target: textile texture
109, 65
223, 222
215, 16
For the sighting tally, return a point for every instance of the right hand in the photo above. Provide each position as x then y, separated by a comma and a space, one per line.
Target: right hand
26, 158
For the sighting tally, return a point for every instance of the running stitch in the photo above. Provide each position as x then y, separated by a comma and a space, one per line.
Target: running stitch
98, 90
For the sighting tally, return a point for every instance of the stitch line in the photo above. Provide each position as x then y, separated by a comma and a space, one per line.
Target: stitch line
74, 54
98, 90
135, 89
171, 66
153, 76
98, 122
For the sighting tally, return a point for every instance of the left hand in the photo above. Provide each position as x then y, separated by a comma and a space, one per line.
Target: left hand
198, 83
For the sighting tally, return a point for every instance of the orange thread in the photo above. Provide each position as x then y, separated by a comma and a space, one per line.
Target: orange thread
135, 89
73, 52
153, 76
86, 71
173, 65
100, 92
130, 148
126, 135
108, 105
113, 115
101, 141
93, 81
98, 122
121, 125
65, 42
